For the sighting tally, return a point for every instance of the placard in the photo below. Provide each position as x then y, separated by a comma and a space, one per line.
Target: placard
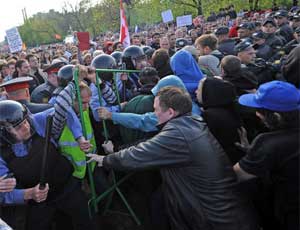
184, 20
14, 40
84, 40
167, 16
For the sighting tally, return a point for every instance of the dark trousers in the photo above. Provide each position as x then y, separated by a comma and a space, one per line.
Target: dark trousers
159, 217
73, 203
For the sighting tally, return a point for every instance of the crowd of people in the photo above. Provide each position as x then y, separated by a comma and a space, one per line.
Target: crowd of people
213, 107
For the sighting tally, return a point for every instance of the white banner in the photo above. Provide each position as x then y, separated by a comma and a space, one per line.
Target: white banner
167, 16
14, 40
184, 20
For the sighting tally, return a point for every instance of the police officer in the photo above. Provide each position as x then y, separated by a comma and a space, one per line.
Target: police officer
117, 55
269, 28
263, 50
17, 89
295, 21
245, 31
22, 140
74, 148
43, 93
247, 55
64, 76
134, 58
292, 44
225, 44
281, 18
108, 99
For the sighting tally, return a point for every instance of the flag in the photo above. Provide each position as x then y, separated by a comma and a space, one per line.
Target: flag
124, 33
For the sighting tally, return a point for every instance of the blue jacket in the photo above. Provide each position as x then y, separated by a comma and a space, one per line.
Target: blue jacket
186, 68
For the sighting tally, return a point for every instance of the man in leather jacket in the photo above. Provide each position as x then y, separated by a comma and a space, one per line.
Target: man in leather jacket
198, 183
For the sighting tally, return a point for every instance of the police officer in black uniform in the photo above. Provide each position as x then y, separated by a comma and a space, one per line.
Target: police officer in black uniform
269, 28
263, 50
225, 44
292, 44
245, 31
43, 93
284, 30
18, 90
295, 21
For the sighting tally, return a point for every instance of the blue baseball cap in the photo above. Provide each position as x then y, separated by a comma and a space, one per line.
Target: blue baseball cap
276, 96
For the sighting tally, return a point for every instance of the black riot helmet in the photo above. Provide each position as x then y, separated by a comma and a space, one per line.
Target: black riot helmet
12, 115
145, 48
65, 75
104, 61
131, 55
117, 55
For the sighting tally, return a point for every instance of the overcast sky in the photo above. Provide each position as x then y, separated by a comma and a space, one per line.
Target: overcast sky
11, 11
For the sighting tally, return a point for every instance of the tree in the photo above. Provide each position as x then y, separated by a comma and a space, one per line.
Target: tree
197, 4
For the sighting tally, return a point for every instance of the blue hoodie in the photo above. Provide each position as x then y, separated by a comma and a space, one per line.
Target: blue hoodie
186, 68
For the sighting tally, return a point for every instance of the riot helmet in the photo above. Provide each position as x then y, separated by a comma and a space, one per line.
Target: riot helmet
117, 55
15, 122
145, 48
104, 61
134, 58
65, 75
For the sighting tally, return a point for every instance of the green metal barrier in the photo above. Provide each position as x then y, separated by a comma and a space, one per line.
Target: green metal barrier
90, 172
92, 204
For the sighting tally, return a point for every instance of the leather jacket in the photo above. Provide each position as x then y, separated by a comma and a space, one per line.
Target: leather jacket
198, 179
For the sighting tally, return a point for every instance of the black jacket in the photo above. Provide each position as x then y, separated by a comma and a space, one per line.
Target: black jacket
227, 46
263, 51
221, 116
198, 180
286, 31
290, 69
42, 93
274, 156
34, 107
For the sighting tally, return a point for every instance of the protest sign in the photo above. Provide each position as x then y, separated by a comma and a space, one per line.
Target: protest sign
14, 40
184, 20
167, 16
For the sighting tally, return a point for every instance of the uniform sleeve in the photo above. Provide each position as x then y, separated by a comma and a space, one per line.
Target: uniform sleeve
74, 124
167, 149
62, 106
95, 104
108, 94
14, 197
144, 122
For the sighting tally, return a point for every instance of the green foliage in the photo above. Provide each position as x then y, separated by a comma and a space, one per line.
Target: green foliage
85, 16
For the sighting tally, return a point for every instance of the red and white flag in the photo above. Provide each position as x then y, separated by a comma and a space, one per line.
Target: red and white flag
124, 33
